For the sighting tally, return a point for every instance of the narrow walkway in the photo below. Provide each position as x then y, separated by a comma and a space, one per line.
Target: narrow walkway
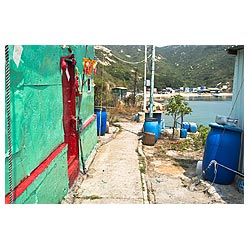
114, 175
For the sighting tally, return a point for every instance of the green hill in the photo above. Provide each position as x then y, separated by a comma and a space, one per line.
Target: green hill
175, 66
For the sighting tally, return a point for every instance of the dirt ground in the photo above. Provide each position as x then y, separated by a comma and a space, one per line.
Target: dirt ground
161, 174
171, 177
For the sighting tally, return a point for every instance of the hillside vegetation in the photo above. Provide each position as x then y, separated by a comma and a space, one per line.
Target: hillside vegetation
175, 66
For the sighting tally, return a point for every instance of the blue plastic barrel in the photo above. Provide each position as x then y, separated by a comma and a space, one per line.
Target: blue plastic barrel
183, 133
192, 127
185, 125
101, 120
223, 144
158, 116
151, 125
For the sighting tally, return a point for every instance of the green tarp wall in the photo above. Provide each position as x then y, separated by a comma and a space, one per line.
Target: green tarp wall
36, 114
88, 135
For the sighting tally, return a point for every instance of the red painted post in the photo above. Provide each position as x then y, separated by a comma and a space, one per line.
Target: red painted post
69, 115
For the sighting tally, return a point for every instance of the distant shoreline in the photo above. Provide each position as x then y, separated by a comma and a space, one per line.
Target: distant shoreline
161, 97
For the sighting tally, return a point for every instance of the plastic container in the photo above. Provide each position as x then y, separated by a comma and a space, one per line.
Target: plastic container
185, 125
151, 125
183, 133
199, 168
192, 127
224, 120
157, 115
101, 120
223, 145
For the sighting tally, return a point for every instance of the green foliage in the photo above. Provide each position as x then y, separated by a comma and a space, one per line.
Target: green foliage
142, 164
177, 107
181, 145
199, 65
176, 66
203, 133
142, 169
199, 139
92, 197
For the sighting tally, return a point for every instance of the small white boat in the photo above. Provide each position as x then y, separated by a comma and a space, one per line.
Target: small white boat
217, 94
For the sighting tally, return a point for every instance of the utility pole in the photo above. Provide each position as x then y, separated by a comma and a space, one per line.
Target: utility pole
145, 80
135, 81
152, 83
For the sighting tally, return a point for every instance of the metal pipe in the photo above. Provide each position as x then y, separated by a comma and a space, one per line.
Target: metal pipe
145, 80
152, 83
82, 160
8, 108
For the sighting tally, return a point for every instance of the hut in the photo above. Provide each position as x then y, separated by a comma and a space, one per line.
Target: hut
119, 92
50, 128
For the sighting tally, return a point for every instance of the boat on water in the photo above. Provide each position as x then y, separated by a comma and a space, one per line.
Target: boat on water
217, 94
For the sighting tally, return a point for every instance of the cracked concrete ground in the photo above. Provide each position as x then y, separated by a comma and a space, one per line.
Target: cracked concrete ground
114, 175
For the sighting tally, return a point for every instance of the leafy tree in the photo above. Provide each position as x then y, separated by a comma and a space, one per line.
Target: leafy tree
102, 95
177, 107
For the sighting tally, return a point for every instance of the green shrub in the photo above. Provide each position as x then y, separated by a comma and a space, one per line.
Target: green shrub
203, 133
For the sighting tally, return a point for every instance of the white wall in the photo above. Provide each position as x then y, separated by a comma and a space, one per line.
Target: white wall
238, 89
238, 99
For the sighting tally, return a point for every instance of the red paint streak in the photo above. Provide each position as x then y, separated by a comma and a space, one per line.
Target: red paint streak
73, 171
91, 119
34, 174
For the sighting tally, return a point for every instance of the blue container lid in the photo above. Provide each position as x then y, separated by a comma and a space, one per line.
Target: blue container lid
151, 119
225, 127
99, 108
192, 123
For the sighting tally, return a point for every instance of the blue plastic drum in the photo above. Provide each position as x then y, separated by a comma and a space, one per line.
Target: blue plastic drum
223, 145
185, 125
158, 116
151, 125
101, 120
183, 133
192, 127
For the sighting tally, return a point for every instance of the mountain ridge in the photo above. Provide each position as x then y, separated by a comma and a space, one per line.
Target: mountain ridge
175, 66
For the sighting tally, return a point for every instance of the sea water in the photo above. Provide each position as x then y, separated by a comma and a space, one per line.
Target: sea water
204, 111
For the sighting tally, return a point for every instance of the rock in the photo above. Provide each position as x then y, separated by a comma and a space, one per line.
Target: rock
172, 153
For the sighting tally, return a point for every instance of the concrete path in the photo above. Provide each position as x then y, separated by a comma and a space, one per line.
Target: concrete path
114, 175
